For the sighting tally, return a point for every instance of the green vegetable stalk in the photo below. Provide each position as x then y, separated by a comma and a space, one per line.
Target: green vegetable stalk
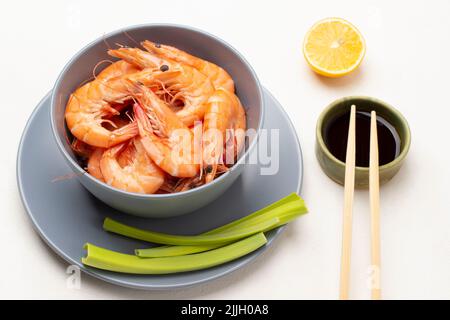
279, 209
225, 236
113, 261
173, 251
290, 198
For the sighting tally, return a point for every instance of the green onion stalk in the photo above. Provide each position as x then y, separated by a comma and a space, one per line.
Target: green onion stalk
114, 261
285, 209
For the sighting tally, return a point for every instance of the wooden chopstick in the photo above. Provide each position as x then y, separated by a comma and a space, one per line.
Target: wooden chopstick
349, 188
374, 189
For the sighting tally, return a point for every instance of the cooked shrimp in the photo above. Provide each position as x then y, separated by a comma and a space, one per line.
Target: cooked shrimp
224, 125
218, 76
166, 139
181, 81
141, 175
94, 164
90, 106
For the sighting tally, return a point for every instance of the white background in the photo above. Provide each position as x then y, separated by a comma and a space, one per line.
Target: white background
407, 64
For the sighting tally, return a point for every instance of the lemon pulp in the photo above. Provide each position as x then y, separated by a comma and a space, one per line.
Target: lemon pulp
333, 47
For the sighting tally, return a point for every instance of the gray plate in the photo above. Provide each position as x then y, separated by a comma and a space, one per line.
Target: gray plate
66, 215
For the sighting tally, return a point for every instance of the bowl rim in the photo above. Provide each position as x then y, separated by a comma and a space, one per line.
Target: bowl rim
76, 167
407, 142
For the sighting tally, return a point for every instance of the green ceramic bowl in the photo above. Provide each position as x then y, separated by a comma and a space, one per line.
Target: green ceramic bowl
335, 168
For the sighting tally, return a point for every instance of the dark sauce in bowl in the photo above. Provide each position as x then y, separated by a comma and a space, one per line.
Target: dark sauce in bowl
336, 132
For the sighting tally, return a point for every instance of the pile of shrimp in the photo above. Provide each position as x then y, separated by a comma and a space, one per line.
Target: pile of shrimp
157, 120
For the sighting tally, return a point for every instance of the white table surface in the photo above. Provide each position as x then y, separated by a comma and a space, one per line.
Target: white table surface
407, 64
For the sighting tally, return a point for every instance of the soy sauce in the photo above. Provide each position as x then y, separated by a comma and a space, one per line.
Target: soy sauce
335, 136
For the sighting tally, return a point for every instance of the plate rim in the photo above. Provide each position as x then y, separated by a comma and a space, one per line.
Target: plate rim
247, 259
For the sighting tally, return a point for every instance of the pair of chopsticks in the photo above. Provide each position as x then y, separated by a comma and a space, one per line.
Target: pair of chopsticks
374, 189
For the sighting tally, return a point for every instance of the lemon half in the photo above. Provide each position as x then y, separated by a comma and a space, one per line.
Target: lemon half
333, 47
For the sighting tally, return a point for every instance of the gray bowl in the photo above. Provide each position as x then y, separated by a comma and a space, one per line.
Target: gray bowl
194, 41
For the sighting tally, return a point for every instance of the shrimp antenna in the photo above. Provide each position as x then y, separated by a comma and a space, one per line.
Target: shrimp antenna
131, 38
178, 183
106, 42
164, 88
66, 177
129, 116
94, 71
110, 122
